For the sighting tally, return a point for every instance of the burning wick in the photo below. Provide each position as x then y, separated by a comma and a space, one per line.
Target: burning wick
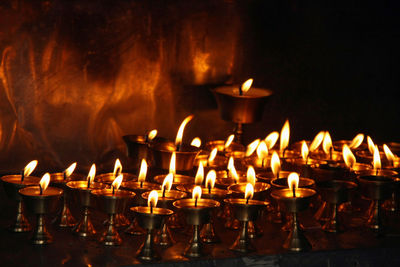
29, 168
152, 200
293, 182
331, 152
248, 194
245, 86
196, 194
41, 189
44, 182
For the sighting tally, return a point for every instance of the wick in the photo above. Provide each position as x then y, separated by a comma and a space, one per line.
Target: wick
163, 192
88, 183
41, 189
195, 202
240, 90
179, 147
151, 208
146, 139
330, 152
283, 153
262, 163
376, 172
294, 191
277, 174
141, 184
209, 189
22, 176
307, 159
113, 190
247, 200
65, 175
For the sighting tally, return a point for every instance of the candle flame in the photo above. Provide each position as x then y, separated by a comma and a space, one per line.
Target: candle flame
213, 154
317, 141
229, 140
152, 199
251, 175
285, 134
44, 182
348, 156
70, 170
327, 143
252, 147
377, 159
232, 169
388, 153
210, 179
304, 150
152, 134
30, 167
172, 163
262, 150
357, 141
143, 171
247, 85
371, 145
271, 139
117, 168
199, 174
196, 142
275, 164
293, 180
249, 192
196, 193
117, 182
179, 135
167, 183
92, 174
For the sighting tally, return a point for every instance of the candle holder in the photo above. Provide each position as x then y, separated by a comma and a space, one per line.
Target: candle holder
245, 211
150, 219
296, 240
112, 203
219, 163
220, 145
196, 215
40, 205
12, 184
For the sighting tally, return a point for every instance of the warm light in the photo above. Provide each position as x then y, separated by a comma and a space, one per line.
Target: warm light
317, 141
357, 141
91, 175
196, 194
44, 182
251, 175
232, 170
210, 179
152, 199
371, 145
275, 164
262, 150
327, 143
249, 192
198, 180
70, 170
246, 85
271, 139
167, 183
252, 147
212, 156
152, 134
179, 135
117, 182
388, 153
30, 167
229, 140
377, 159
143, 171
293, 181
348, 156
172, 163
196, 142
304, 150
285, 134
117, 168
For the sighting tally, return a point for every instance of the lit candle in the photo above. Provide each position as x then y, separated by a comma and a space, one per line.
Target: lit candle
179, 135
284, 138
262, 152
67, 173
210, 180
198, 179
196, 195
167, 184
249, 192
293, 182
29, 168
151, 135
152, 200
142, 172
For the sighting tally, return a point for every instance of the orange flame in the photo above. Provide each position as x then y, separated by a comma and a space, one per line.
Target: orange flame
251, 175
196, 194
357, 141
117, 168
232, 169
327, 143
152, 199
179, 135
285, 135
210, 179
247, 85
44, 182
172, 163
252, 147
275, 164
249, 192
271, 139
196, 142
377, 159
304, 150
70, 170
388, 153
143, 171
317, 141
167, 183
293, 180
348, 156
371, 145
30, 167
262, 150
152, 134
229, 140
199, 174
212, 156
92, 174
117, 182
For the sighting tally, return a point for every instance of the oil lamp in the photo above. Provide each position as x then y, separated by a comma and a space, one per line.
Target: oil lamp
197, 212
328, 153
284, 152
210, 160
41, 200
295, 199
230, 175
393, 163
177, 178
12, 184
112, 201
224, 146
150, 218
302, 165
240, 105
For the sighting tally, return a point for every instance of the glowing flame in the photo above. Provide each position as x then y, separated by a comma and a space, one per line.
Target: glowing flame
377, 159
143, 171
152, 134
285, 134
252, 147
371, 145
199, 174
357, 141
348, 156
117, 168
167, 183
251, 175
229, 140
388, 153
210, 179
327, 143
262, 150
117, 182
92, 174
30, 167
196, 142
317, 141
246, 85
293, 180
249, 192
213, 154
179, 135
172, 163
275, 164
44, 182
232, 169
70, 170
304, 150
271, 139
152, 199
196, 194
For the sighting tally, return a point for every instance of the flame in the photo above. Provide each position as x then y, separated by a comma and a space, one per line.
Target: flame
196, 193
210, 179
44, 182
117, 168
251, 175
317, 141
196, 142
152, 134
199, 174
271, 139
172, 163
388, 153
304, 150
246, 85
285, 134
357, 141
232, 169
143, 171
152, 199
327, 143
377, 158
92, 174
30, 167
293, 180
167, 183
249, 192
229, 140
179, 135
117, 182
213, 154
252, 147
262, 150
371, 145
348, 156
275, 164
70, 170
